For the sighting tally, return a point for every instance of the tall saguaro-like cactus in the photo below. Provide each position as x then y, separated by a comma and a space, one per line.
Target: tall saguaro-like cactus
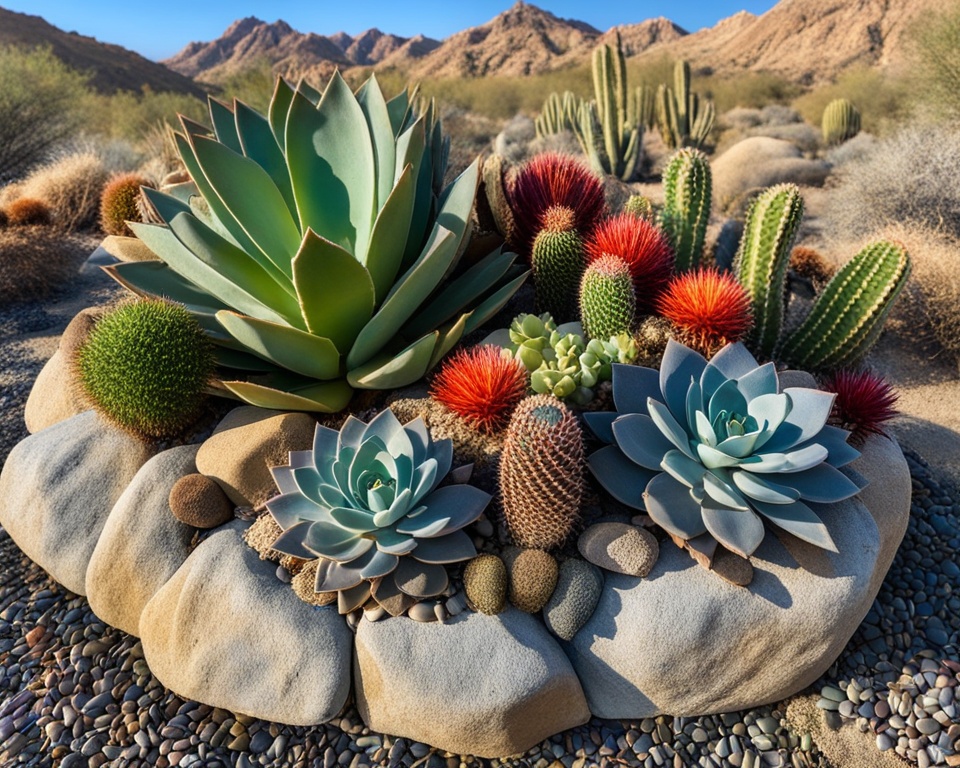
685, 120
686, 212
559, 113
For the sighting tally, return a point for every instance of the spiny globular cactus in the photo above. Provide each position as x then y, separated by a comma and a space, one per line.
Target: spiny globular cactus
118, 203
608, 305
645, 249
557, 259
687, 185
482, 386
28, 212
541, 473
848, 316
708, 308
639, 206
840, 122
865, 401
763, 258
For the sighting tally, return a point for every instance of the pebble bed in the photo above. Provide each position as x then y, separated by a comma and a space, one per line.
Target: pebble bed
75, 692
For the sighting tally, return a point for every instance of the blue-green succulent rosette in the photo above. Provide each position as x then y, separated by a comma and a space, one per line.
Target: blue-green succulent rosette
367, 498
715, 448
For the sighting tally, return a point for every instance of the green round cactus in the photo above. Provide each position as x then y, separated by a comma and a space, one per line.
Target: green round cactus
557, 260
840, 122
608, 304
639, 206
145, 366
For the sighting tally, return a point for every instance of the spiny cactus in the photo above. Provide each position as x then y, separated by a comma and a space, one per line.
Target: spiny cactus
647, 107
118, 203
559, 113
608, 304
762, 260
639, 206
541, 473
841, 121
684, 119
558, 261
145, 366
28, 212
687, 185
865, 402
848, 316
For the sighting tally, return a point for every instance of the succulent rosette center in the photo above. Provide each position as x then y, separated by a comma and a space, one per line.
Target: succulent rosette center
715, 448
368, 495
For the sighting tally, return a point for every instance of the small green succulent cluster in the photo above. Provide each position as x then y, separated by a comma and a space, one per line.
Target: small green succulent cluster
560, 361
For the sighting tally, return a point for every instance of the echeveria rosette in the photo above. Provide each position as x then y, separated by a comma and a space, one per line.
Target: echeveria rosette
714, 448
367, 496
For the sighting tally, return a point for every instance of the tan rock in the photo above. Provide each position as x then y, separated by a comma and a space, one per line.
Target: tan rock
197, 500
533, 577
619, 547
142, 545
243, 447
53, 398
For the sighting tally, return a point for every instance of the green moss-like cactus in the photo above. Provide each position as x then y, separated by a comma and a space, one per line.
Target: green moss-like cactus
118, 203
840, 122
145, 367
608, 304
541, 473
687, 185
557, 259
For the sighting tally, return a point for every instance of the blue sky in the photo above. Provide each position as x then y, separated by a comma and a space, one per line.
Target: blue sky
160, 29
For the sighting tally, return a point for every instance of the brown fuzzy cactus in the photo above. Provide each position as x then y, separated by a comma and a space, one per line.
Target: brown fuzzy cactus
541, 473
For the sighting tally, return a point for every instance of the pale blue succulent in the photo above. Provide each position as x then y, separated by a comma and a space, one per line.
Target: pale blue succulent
369, 495
716, 448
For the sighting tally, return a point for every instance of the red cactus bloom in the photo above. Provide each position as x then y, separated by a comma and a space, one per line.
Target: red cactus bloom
548, 180
481, 386
645, 249
865, 401
709, 309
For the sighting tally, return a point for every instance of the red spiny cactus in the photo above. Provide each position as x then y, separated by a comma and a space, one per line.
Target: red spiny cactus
865, 401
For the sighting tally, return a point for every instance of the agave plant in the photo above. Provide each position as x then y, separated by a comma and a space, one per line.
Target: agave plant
716, 448
316, 245
366, 502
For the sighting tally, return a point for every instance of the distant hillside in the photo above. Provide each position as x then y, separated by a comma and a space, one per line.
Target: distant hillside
112, 68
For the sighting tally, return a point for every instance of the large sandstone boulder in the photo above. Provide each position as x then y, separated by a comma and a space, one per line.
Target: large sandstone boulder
226, 631
52, 398
57, 488
142, 544
480, 685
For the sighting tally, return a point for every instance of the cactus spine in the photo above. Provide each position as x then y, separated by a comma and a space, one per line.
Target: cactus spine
559, 113
608, 304
686, 211
841, 121
558, 260
763, 257
848, 316
684, 119
541, 473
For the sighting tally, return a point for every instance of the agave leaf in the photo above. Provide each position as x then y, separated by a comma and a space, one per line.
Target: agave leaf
760, 382
823, 484
672, 507
640, 440
800, 520
335, 542
193, 128
839, 451
390, 230
260, 145
496, 301
309, 92
397, 110
327, 397
332, 166
734, 361
156, 279
601, 424
410, 147
166, 205
241, 361
252, 198
182, 191
449, 336
723, 493
389, 371
622, 479
374, 107
163, 242
670, 427
632, 386
456, 204
279, 108
290, 542
289, 348
336, 291
796, 460
224, 127
738, 530
689, 472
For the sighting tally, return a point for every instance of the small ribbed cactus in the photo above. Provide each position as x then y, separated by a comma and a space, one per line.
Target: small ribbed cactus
687, 188
558, 261
647, 107
684, 119
541, 473
559, 113
639, 206
848, 316
762, 260
608, 304
841, 121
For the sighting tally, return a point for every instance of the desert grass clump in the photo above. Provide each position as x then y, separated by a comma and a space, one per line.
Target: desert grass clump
865, 402
70, 185
145, 367
35, 261
119, 203
809, 264
28, 212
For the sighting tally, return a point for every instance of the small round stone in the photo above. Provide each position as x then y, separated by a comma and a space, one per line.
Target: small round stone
620, 547
575, 598
730, 567
485, 582
199, 501
533, 577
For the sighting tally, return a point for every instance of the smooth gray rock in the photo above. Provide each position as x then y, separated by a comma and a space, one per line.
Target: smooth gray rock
57, 488
226, 631
142, 544
575, 598
684, 642
478, 685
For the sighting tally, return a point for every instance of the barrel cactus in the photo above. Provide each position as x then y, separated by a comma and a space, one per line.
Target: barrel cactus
119, 203
557, 259
687, 187
715, 449
541, 473
317, 246
366, 501
841, 121
607, 302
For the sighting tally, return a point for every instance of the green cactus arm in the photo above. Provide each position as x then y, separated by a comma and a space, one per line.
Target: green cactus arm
848, 316
687, 191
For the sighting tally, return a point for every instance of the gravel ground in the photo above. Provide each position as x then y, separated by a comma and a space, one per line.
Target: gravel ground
75, 692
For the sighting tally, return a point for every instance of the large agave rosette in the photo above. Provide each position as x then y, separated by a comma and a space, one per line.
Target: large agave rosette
366, 502
716, 448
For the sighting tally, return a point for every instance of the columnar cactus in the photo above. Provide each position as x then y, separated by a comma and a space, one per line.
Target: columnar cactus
608, 304
848, 316
559, 113
841, 121
687, 188
541, 473
762, 260
558, 261
646, 107
684, 119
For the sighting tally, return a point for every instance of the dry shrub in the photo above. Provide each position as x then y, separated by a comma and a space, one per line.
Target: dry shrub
35, 261
71, 186
28, 212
